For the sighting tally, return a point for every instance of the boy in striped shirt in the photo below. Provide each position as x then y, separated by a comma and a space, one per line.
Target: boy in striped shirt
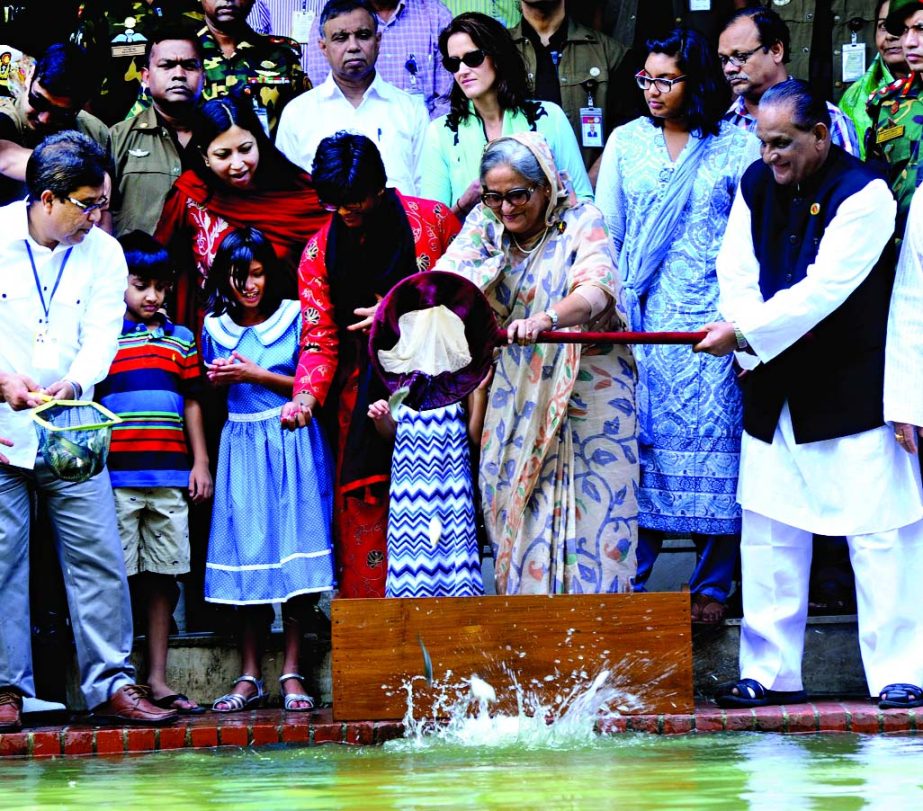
153, 386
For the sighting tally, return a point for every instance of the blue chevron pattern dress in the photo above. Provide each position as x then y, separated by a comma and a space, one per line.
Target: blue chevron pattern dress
432, 541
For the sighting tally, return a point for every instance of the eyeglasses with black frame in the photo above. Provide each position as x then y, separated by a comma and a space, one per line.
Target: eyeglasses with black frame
515, 197
472, 59
42, 105
739, 59
88, 208
663, 85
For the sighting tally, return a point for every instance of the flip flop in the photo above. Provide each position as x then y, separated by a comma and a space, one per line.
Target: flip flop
750, 693
167, 702
900, 697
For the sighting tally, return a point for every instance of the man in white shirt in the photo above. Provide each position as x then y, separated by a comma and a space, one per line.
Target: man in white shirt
355, 98
61, 308
805, 272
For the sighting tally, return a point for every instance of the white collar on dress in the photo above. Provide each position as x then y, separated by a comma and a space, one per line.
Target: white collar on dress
227, 333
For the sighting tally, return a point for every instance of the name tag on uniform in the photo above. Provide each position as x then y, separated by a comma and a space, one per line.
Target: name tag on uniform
591, 126
853, 61
45, 353
889, 134
301, 25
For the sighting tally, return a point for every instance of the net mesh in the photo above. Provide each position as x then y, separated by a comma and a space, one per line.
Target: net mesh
74, 437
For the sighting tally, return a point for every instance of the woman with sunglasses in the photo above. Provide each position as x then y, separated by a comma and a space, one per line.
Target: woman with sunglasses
666, 185
374, 238
558, 465
238, 179
489, 99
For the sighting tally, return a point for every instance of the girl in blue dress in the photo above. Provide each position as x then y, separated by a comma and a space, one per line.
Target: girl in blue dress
270, 539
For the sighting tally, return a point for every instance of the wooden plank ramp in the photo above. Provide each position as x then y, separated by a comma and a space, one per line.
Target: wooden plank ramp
547, 645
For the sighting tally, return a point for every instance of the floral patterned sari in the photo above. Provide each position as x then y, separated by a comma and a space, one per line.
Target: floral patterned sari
559, 461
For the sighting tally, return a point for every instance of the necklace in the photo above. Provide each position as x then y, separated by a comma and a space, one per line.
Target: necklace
533, 249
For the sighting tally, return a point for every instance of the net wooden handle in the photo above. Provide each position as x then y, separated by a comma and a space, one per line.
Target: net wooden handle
559, 337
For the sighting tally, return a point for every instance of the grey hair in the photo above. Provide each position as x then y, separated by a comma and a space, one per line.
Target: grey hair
512, 153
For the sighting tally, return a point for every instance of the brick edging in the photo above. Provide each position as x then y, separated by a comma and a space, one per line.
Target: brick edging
266, 727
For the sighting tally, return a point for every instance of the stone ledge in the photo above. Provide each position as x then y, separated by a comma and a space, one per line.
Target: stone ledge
275, 727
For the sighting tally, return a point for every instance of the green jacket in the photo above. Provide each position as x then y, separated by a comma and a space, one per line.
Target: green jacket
587, 55
855, 100
147, 164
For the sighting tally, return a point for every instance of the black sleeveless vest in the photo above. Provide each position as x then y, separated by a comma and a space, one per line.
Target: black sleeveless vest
832, 377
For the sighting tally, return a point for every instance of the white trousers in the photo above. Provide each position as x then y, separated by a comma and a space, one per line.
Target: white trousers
776, 566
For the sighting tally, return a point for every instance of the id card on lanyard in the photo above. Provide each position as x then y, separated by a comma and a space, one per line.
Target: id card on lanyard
302, 20
45, 351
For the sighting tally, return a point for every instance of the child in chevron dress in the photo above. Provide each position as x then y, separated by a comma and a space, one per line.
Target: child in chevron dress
432, 535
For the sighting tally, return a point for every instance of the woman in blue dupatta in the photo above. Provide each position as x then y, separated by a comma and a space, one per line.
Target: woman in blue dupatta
666, 185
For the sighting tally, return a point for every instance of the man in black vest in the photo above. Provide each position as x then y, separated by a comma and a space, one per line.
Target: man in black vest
806, 272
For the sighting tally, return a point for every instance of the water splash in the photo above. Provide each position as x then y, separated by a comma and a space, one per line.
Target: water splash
461, 712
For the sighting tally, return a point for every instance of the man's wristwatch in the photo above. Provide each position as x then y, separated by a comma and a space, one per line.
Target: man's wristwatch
553, 315
742, 344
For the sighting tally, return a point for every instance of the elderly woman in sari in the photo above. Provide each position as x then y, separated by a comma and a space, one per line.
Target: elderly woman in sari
558, 452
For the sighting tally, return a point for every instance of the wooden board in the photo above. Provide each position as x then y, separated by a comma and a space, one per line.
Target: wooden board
548, 644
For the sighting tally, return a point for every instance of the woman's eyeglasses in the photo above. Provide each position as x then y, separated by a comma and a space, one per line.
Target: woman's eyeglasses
663, 85
515, 197
333, 208
472, 59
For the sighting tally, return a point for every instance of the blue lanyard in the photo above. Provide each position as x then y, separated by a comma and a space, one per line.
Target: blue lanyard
38, 284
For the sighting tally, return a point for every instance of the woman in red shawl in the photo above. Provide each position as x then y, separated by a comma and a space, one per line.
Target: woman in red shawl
243, 180
375, 238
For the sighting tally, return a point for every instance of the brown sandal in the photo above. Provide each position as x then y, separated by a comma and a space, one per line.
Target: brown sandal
707, 610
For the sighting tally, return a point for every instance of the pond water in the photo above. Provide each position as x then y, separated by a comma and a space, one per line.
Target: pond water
740, 771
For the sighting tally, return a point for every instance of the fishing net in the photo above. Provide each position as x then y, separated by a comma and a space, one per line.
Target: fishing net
433, 339
74, 437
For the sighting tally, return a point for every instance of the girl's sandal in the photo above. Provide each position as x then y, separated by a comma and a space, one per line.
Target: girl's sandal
290, 701
236, 702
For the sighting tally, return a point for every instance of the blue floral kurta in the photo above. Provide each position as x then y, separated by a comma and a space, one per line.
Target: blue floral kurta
690, 418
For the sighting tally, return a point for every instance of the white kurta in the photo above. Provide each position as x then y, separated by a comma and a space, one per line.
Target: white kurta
852, 485
904, 350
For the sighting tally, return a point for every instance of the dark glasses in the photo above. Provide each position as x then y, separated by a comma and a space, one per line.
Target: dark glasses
42, 105
334, 207
515, 197
472, 59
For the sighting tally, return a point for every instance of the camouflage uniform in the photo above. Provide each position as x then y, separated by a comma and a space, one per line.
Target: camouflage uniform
894, 137
268, 67
120, 47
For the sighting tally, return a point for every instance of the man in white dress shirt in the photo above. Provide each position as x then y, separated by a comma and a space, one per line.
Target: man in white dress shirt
61, 308
805, 272
355, 98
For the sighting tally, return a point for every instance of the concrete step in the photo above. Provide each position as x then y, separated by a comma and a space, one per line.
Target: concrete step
204, 665
831, 665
